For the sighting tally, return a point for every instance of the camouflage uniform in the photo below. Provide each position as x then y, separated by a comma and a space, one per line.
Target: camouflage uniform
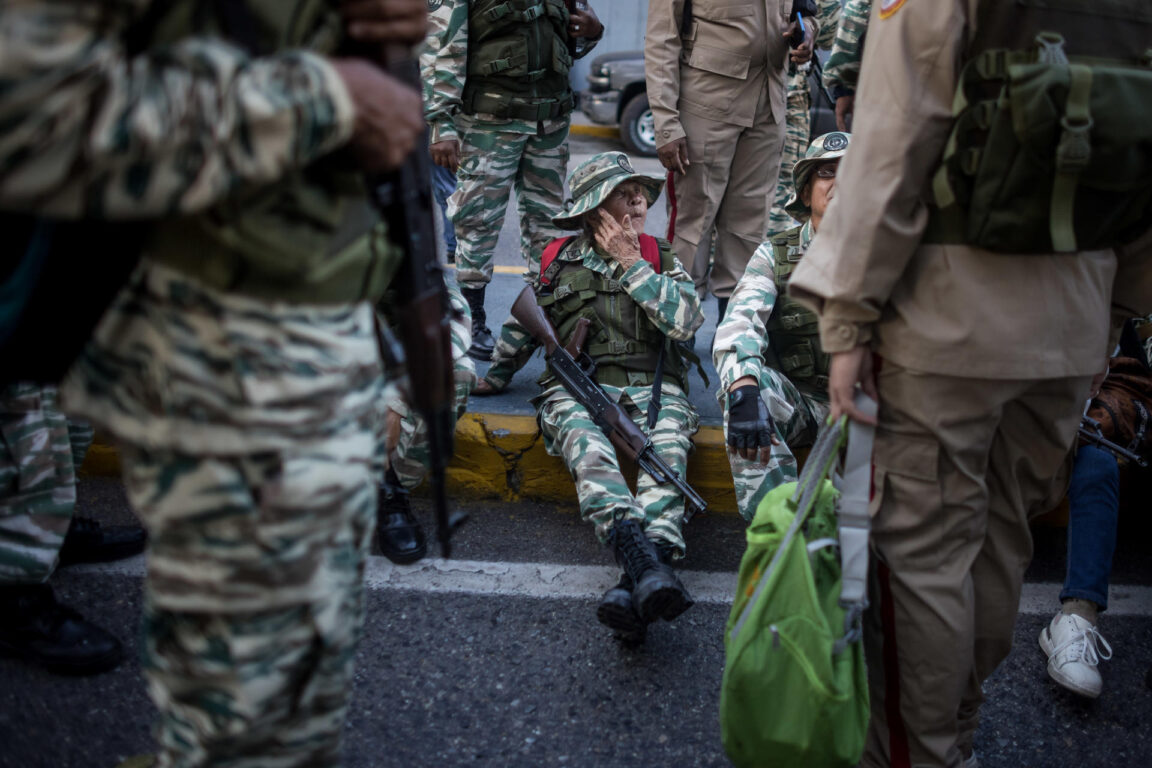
668, 301
798, 119
410, 457
843, 67
40, 452
246, 424
740, 350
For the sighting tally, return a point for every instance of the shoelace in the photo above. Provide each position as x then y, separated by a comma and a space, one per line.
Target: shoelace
1086, 644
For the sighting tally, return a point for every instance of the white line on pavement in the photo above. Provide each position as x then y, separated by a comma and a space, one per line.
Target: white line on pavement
581, 582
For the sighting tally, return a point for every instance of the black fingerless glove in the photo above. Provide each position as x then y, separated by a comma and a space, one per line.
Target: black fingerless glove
749, 423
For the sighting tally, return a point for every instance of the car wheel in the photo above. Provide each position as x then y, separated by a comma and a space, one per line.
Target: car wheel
638, 127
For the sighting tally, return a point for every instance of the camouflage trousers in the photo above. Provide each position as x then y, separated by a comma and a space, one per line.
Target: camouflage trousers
798, 417
493, 164
797, 127
514, 346
605, 498
40, 451
403, 437
247, 434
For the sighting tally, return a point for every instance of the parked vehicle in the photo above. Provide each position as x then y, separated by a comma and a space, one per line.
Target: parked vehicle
617, 95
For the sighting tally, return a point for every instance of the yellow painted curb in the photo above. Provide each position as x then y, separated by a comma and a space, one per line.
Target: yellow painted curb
600, 131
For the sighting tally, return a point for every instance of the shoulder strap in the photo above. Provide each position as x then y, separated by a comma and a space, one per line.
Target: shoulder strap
551, 251
650, 251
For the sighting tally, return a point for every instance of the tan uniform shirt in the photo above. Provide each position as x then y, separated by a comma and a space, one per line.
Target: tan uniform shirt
732, 51
946, 309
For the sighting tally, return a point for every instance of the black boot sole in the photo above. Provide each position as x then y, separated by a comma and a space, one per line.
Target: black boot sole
403, 558
630, 629
665, 603
105, 554
480, 354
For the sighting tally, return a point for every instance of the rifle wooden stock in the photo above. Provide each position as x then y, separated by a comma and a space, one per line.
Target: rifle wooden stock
575, 345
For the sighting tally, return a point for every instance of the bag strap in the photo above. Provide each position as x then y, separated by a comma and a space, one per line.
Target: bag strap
854, 524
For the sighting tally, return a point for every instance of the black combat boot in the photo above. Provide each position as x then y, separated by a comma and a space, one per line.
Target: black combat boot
482, 341
617, 612
38, 629
399, 534
658, 593
89, 542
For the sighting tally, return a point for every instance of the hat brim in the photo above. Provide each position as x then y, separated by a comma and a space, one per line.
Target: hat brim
572, 218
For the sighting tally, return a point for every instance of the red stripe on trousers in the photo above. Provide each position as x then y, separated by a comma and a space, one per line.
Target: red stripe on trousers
672, 209
897, 735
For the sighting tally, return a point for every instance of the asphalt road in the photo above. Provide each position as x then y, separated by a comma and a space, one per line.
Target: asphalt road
498, 678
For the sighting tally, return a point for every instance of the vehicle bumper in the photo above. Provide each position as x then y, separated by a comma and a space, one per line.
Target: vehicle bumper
600, 108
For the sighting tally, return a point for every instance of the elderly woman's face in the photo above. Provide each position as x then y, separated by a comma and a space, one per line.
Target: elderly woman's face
627, 199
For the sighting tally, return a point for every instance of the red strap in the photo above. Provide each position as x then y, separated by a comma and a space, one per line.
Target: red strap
672, 210
649, 251
551, 251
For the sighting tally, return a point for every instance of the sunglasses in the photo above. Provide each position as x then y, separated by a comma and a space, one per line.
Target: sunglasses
827, 171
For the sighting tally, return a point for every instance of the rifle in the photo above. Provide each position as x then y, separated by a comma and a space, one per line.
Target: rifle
422, 311
1090, 432
575, 374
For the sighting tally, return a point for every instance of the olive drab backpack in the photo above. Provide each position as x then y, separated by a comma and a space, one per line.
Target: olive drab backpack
795, 688
1050, 149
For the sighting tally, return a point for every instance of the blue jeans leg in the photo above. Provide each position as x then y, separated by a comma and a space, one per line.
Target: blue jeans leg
1094, 501
443, 185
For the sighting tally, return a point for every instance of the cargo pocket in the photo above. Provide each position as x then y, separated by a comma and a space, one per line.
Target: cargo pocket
906, 506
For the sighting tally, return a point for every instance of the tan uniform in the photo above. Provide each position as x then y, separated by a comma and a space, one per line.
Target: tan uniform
985, 363
720, 84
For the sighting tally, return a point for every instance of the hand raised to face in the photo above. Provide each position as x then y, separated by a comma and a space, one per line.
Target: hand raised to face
619, 241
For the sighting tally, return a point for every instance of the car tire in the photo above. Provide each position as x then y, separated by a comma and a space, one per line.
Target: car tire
638, 127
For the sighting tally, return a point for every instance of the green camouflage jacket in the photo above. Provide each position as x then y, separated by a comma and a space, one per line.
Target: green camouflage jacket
444, 66
172, 131
843, 67
741, 345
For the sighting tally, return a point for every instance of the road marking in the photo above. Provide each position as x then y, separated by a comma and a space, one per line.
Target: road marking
552, 581
499, 270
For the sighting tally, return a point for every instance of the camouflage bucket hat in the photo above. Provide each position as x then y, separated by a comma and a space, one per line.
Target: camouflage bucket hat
594, 179
830, 146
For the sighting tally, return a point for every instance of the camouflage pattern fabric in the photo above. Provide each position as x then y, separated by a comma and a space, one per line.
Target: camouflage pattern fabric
669, 301
247, 432
410, 459
191, 109
798, 120
604, 495
37, 483
842, 69
740, 349
514, 346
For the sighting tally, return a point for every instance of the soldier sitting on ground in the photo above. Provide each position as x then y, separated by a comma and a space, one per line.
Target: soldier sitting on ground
767, 351
640, 301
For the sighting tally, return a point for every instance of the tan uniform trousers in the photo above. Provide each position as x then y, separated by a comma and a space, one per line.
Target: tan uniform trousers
730, 182
960, 465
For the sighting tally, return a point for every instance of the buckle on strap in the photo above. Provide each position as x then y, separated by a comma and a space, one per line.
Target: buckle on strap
1050, 49
1074, 150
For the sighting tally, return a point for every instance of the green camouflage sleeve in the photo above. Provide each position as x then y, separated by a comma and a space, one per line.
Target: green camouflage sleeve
843, 67
669, 299
828, 17
89, 131
447, 67
742, 336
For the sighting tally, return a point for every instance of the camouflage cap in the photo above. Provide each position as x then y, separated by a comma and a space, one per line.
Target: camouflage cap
830, 146
594, 179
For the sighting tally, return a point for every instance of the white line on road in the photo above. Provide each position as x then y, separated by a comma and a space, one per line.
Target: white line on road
553, 581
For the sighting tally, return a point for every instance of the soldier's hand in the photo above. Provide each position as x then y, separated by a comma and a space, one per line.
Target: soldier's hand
846, 370
446, 154
674, 155
803, 52
386, 21
620, 242
389, 115
751, 432
585, 24
845, 105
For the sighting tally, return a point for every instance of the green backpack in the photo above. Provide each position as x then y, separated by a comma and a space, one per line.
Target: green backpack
795, 689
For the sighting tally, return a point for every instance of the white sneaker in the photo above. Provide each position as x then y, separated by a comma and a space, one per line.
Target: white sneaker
1074, 648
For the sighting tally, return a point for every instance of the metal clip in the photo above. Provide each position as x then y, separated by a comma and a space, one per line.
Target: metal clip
1050, 49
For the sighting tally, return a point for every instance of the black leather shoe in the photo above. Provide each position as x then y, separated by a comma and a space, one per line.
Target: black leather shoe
89, 542
400, 536
617, 613
40, 630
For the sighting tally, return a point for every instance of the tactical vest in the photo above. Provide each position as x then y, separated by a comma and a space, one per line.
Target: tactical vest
310, 237
793, 330
1051, 148
621, 339
518, 59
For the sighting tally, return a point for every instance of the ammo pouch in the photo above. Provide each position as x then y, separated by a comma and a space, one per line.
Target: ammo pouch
1047, 153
